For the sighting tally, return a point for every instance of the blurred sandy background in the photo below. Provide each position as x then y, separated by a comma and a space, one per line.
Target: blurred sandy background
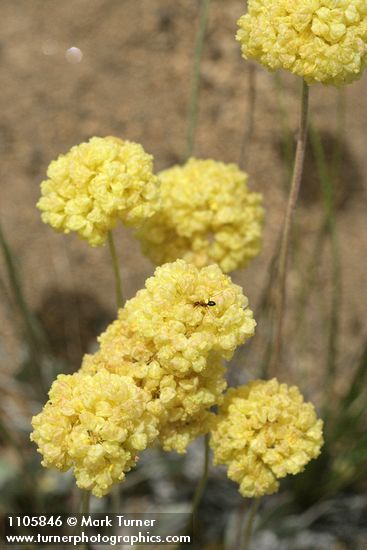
134, 81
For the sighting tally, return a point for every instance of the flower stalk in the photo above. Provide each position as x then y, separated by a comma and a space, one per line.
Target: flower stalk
250, 523
199, 491
250, 121
85, 502
195, 86
84, 509
287, 227
116, 271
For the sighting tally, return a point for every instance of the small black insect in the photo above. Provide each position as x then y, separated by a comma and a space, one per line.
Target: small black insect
202, 303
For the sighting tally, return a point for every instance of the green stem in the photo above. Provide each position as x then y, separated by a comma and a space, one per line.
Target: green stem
330, 223
195, 85
341, 124
115, 499
287, 141
250, 122
85, 502
116, 271
84, 509
287, 227
329, 178
202, 482
335, 309
250, 523
310, 276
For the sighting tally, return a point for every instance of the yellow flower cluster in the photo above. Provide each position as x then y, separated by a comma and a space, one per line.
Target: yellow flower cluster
264, 431
95, 425
172, 342
96, 184
157, 374
182, 402
207, 215
172, 313
319, 40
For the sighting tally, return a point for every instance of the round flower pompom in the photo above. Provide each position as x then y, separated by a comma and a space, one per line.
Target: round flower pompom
264, 431
171, 339
207, 215
188, 410
96, 184
186, 313
96, 425
319, 40
181, 402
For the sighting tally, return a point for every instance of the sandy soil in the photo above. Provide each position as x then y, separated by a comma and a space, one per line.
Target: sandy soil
134, 81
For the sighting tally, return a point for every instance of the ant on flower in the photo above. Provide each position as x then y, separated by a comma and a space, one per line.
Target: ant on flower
208, 303
202, 303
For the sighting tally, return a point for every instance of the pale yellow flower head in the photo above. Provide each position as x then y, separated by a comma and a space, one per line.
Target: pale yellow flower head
172, 343
96, 184
207, 215
264, 431
319, 40
173, 313
181, 402
96, 424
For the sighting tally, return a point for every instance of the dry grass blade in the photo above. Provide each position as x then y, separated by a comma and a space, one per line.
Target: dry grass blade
32, 333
